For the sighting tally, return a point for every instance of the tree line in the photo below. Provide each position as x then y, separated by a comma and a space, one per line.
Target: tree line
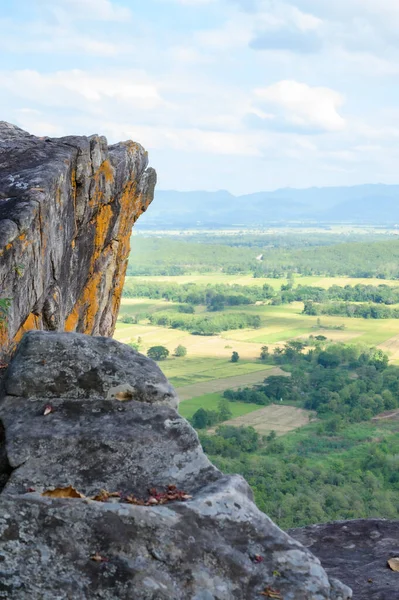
348, 309
361, 301
205, 325
214, 296
172, 256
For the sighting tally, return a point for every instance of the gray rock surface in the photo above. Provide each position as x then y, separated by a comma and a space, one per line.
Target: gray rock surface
53, 365
67, 208
215, 546
357, 553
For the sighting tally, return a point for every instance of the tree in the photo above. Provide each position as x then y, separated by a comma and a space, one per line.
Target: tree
328, 360
224, 409
264, 354
180, 351
235, 357
272, 436
158, 352
200, 419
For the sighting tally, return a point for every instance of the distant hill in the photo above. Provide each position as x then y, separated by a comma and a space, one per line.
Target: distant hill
372, 204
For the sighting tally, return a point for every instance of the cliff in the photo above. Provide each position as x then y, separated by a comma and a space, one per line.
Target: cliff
67, 207
91, 414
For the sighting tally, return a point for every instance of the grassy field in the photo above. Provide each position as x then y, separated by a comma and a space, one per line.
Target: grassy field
279, 324
232, 383
206, 371
279, 418
214, 278
197, 346
210, 402
193, 370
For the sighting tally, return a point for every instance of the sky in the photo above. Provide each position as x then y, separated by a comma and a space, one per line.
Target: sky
242, 95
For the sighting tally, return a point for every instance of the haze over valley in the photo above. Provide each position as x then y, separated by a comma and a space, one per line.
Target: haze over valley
366, 204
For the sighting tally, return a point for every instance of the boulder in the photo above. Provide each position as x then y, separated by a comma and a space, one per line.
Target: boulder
357, 552
177, 528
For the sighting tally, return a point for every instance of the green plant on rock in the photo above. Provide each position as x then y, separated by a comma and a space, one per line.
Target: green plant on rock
5, 304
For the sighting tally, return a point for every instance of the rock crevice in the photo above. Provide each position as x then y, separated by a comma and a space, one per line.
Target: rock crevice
67, 208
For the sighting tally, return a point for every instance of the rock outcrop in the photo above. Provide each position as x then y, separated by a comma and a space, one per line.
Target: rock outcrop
93, 414
67, 207
357, 552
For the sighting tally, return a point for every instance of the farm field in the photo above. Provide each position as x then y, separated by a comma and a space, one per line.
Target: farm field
210, 402
199, 346
214, 278
347, 469
279, 418
285, 322
190, 371
231, 383
279, 324
206, 371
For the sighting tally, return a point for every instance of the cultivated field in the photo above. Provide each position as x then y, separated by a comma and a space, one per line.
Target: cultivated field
206, 371
214, 278
279, 324
231, 383
210, 402
201, 346
278, 418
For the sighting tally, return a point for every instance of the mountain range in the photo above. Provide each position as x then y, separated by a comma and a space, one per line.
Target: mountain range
369, 204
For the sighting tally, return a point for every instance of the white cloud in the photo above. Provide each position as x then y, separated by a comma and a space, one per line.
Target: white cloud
41, 37
195, 140
96, 10
195, 93
303, 106
192, 2
82, 90
233, 34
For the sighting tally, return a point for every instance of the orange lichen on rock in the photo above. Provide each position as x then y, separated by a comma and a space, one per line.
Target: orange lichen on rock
4, 334
107, 170
103, 222
32, 322
68, 264
71, 322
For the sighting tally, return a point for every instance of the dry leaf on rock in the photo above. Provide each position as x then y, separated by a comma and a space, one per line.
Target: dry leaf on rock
98, 558
124, 396
270, 593
68, 492
393, 563
104, 495
257, 558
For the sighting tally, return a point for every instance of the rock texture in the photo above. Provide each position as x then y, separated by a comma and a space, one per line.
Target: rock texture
67, 207
357, 552
215, 546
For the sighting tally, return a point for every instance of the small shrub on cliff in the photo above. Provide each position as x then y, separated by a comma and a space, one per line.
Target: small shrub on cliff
5, 304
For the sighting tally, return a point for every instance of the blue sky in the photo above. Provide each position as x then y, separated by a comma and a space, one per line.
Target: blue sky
243, 95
